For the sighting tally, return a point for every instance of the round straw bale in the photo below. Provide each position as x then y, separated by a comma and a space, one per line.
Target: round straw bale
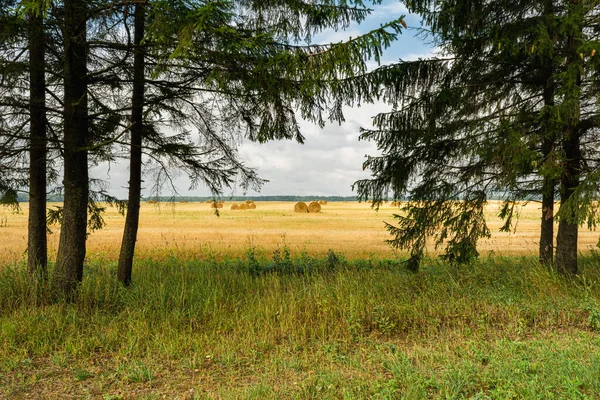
323, 202
301, 207
235, 207
214, 205
243, 206
251, 206
219, 205
314, 207
249, 201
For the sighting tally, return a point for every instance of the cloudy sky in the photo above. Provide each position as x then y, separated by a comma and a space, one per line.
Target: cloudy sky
331, 158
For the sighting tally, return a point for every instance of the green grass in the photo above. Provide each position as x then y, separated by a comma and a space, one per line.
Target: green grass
295, 326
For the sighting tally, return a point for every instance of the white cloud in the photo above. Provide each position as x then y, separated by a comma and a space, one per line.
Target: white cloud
390, 9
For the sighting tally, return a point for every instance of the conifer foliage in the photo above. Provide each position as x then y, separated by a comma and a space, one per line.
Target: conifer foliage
507, 107
168, 85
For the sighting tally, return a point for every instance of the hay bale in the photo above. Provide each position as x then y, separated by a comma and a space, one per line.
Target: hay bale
301, 207
243, 206
208, 201
323, 202
235, 207
214, 205
152, 201
251, 206
220, 205
249, 201
314, 207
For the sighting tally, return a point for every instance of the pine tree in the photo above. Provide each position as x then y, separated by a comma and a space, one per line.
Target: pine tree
506, 109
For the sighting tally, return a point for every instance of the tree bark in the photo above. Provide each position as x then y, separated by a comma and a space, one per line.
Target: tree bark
566, 239
546, 251
37, 248
135, 167
547, 226
71, 251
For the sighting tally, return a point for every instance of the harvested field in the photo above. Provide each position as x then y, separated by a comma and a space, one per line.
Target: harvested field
353, 229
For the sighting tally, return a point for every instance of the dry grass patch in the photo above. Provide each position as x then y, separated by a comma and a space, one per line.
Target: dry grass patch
352, 229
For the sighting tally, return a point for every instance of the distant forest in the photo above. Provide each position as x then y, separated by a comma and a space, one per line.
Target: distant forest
52, 198
289, 197
59, 198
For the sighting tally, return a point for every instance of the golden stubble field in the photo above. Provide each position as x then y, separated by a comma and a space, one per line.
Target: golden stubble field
353, 229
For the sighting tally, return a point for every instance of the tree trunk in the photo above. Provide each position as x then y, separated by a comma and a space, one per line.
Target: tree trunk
37, 248
566, 240
135, 166
548, 142
71, 250
547, 227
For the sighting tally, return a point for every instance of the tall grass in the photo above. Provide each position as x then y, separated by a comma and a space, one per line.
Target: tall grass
259, 327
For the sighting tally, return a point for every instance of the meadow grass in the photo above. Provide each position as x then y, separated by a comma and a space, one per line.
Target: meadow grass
298, 326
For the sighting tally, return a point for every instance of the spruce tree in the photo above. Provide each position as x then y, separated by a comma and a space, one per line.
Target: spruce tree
507, 108
222, 69
68, 271
23, 129
249, 58
13, 102
135, 159
37, 247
